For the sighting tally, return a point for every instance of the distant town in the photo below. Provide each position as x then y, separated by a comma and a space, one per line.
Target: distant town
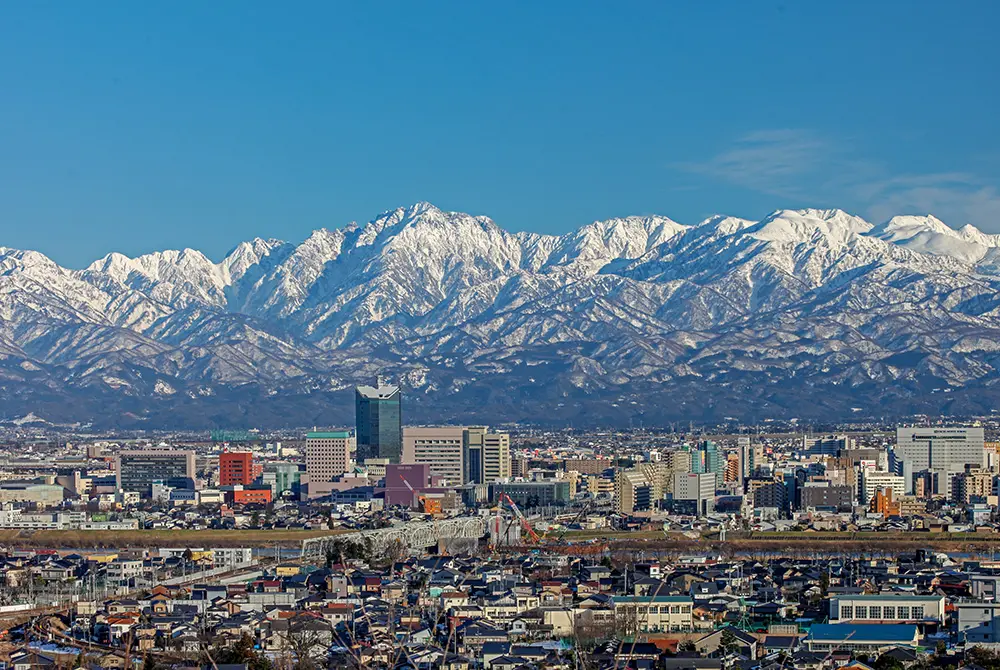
390, 544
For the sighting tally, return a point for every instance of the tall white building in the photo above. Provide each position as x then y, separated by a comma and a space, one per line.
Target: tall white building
496, 457
440, 447
873, 480
462, 454
487, 455
944, 451
696, 487
329, 455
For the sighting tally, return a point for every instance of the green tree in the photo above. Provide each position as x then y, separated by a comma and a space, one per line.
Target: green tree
983, 657
242, 651
728, 642
884, 662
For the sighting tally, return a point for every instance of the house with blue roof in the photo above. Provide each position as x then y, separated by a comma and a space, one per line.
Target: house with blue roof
866, 637
888, 608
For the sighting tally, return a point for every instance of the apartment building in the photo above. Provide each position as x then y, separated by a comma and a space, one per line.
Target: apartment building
872, 481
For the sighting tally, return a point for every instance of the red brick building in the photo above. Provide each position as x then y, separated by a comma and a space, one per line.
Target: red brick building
236, 468
251, 496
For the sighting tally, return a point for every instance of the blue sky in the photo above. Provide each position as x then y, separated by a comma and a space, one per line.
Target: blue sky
141, 126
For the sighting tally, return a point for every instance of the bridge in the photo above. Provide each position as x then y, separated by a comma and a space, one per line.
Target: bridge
416, 535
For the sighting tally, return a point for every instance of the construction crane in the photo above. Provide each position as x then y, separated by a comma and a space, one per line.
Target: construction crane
562, 533
520, 517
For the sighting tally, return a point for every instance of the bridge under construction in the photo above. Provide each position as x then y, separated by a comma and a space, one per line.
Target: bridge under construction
418, 535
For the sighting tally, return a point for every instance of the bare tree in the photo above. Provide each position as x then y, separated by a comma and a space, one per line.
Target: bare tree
308, 642
626, 621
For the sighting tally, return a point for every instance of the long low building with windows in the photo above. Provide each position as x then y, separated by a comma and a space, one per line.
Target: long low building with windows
862, 637
887, 608
656, 613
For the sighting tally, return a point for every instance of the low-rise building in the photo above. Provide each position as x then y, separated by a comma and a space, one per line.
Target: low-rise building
655, 613
887, 608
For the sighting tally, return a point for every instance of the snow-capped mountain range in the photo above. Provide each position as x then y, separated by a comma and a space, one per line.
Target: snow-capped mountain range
810, 313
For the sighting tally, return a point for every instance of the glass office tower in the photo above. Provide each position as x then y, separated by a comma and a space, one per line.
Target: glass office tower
379, 422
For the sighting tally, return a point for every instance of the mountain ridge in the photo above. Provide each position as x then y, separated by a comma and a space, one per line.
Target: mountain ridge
803, 312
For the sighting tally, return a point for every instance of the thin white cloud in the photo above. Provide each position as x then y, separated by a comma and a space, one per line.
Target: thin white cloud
770, 161
956, 202
799, 164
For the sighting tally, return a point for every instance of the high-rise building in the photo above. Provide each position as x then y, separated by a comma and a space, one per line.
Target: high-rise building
136, 471
440, 447
884, 502
697, 488
496, 457
767, 493
827, 494
379, 422
633, 492
745, 460
827, 445
532, 494
486, 455
519, 466
656, 474
236, 468
328, 455
872, 481
973, 485
732, 473
282, 478
943, 451
709, 458
587, 466
671, 463
472, 454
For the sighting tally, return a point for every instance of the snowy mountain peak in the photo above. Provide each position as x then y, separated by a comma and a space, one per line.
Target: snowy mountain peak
929, 235
25, 259
834, 226
900, 228
249, 254
720, 224
972, 234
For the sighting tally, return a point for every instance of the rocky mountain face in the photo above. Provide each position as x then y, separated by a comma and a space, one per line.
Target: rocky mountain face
815, 314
